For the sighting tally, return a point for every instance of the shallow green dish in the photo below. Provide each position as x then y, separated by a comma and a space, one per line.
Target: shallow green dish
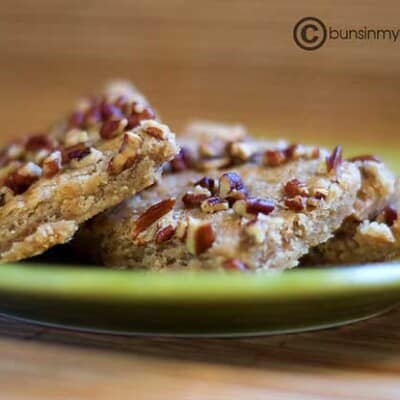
196, 304
128, 302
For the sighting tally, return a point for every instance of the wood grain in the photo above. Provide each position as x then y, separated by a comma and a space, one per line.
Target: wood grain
360, 361
227, 60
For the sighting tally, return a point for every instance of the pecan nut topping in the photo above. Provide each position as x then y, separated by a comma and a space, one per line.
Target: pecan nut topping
335, 159
151, 215
52, 164
214, 204
232, 186
295, 187
200, 236
165, 234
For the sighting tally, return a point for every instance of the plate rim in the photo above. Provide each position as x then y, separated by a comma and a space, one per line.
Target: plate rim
94, 283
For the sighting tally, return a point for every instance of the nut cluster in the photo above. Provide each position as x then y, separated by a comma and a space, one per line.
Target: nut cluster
197, 235
45, 155
150, 216
297, 196
388, 215
229, 191
277, 157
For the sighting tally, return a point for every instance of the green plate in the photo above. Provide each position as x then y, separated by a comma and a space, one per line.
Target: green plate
129, 302
214, 304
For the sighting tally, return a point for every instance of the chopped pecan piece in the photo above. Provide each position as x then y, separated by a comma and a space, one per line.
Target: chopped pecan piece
313, 203
241, 150
214, 204
296, 203
295, 187
135, 118
390, 215
112, 128
52, 164
127, 155
20, 180
274, 158
91, 158
365, 157
320, 193
292, 152
232, 186
181, 229
233, 264
151, 215
195, 198
76, 152
315, 153
335, 159
263, 206
255, 231
75, 136
182, 161
208, 183
200, 236
165, 234
191, 200
254, 206
110, 111
155, 129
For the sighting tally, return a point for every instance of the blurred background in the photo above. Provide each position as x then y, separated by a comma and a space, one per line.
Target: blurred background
216, 59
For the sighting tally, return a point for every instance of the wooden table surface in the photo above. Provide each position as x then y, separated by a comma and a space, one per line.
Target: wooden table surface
360, 361
226, 60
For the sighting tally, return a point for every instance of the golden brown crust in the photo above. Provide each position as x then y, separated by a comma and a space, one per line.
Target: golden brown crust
79, 169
